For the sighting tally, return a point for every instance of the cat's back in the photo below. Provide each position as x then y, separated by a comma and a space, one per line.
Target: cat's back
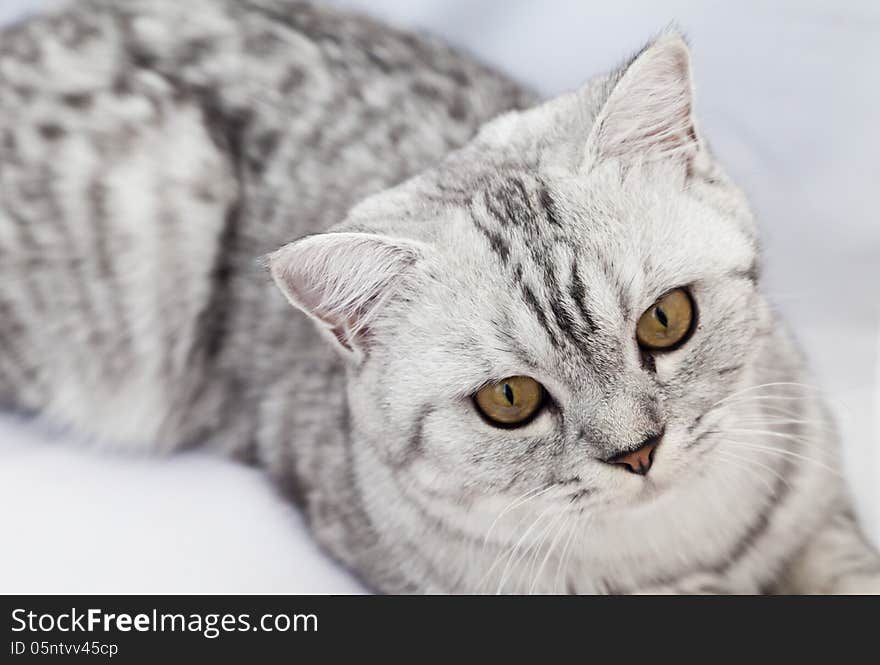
153, 150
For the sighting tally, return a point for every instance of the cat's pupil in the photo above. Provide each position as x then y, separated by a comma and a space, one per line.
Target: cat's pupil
661, 317
508, 393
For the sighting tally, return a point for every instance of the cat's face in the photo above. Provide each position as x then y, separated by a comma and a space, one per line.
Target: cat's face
499, 313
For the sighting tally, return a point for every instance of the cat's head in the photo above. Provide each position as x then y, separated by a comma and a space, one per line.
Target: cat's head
552, 309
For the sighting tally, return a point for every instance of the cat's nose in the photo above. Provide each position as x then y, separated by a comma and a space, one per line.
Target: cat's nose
639, 460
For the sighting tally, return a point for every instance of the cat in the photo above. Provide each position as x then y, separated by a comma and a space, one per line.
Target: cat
528, 350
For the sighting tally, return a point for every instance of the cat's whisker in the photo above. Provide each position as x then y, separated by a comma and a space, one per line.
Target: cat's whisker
818, 424
783, 453
554, 521
563, 558
519, 501
739, 398
516, 560
721, 410
515, 550
731, 462
526, 558
769, 409
749, 400
559, 524
775, 408
802, 440
533, 493
807, 440
730, 455
783, 420
762, 386
506, 550
568, 518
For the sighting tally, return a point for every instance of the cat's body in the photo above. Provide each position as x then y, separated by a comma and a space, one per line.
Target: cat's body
153, 151
119, 129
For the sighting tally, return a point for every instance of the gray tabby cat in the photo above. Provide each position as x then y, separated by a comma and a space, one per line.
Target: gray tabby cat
535, 358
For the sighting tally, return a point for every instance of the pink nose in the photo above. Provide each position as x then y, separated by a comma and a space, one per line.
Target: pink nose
640, 460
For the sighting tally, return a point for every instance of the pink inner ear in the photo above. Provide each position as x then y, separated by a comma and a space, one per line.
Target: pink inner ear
309, 297
649, 113
344, 334
342, 337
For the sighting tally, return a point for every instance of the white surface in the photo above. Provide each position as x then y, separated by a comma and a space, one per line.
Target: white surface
789, 96
81, 522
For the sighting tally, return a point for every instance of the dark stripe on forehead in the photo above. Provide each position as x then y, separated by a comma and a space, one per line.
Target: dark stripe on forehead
564, 319
497, 242
535, 306
578, 293
549, 205
612, 278
509, 203
517, 203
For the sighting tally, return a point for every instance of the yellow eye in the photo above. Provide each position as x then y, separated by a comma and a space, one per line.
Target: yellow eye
668, 322
510, 402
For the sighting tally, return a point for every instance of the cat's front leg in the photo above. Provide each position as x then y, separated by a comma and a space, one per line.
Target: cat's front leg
837, 560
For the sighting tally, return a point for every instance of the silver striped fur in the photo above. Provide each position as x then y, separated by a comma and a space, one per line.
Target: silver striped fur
153, 152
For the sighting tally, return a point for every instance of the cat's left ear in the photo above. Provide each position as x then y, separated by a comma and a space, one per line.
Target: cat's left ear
648, 114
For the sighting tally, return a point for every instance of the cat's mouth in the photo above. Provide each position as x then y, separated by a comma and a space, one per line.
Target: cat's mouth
649, 488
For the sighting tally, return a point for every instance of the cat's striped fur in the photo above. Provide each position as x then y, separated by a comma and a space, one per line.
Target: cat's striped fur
151, 151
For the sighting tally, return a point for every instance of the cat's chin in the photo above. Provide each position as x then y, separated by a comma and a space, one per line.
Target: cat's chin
648, 492
660, 483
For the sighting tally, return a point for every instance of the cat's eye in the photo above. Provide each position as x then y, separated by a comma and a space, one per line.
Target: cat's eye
667, 323
511, 402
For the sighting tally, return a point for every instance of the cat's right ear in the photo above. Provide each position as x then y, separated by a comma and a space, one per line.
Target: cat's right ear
342, 280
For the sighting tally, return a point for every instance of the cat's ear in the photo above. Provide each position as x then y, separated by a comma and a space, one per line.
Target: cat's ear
648, 113
342, 280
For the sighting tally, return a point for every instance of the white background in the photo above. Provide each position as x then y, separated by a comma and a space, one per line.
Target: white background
789, 96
